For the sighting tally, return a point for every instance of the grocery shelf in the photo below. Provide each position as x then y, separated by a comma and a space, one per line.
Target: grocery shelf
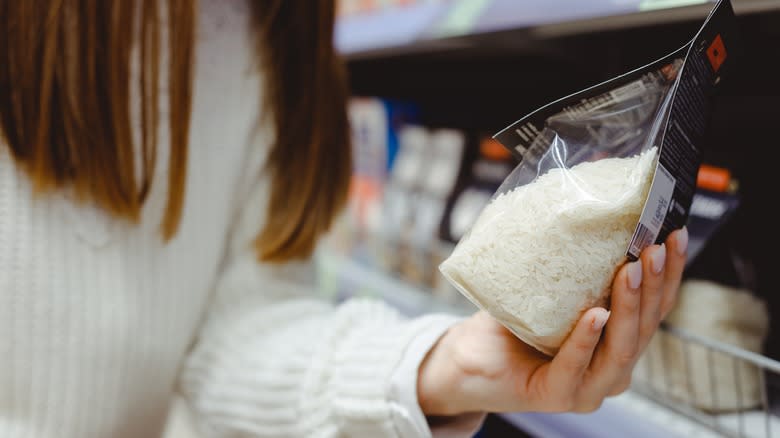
343, 277
649, 15
392, 28
434, 26
648, 410
629, 414
477, 72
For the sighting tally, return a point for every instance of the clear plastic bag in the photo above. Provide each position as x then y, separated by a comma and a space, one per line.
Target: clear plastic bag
548, 245
604, 173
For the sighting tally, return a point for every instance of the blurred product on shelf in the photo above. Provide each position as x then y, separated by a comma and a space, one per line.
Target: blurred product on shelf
405, 175
409, 169
696, 375
441, 165
709, 211
491, 166
405, 188
715, 179
400, 197
465, 211
447, 148
374, 125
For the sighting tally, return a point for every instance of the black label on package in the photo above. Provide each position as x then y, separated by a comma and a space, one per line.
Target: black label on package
708, 56
665, 104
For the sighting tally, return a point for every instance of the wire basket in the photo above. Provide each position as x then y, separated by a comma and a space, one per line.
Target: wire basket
727, 389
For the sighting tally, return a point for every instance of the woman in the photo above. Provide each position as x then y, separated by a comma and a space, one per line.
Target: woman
166, 168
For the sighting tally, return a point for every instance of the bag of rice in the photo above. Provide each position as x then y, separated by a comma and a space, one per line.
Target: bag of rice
541, 253
604, 173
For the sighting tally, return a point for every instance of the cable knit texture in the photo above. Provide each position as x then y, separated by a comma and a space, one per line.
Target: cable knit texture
101, 323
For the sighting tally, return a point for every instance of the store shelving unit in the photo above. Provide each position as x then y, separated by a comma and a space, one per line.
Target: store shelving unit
343, 278
465, 71
434, 26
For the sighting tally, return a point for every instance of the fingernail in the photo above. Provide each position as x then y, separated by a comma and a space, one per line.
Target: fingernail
600, 320
634, 275
682, 241
658, 259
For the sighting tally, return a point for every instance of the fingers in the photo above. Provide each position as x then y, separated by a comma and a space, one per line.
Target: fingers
569, 365
677, 245
663, 269
653, 261
622, 333
643, 292
621, 386
619, 350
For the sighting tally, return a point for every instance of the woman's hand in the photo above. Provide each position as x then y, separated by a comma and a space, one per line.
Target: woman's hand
480, 366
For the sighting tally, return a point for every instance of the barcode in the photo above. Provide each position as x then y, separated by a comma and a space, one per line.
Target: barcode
643, 237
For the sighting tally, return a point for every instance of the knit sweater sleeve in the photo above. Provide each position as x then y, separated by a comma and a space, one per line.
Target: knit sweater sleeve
273, 360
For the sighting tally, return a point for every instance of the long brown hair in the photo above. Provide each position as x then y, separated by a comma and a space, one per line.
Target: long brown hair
65, 106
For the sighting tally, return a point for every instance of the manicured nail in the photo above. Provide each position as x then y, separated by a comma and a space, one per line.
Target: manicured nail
600, 320
658, 259
682, 241
634, 275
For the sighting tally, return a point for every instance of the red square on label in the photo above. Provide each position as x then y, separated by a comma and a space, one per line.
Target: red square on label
717, 53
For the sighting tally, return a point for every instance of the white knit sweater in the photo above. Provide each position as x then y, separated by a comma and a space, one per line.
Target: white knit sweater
101, 323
